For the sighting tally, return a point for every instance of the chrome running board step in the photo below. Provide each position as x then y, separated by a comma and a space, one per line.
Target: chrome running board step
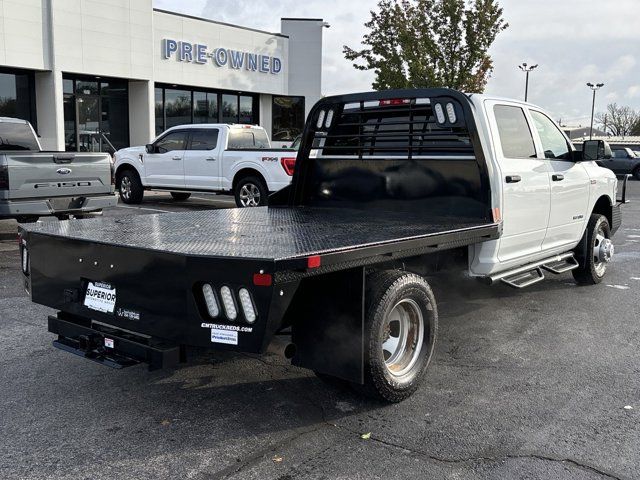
532, 273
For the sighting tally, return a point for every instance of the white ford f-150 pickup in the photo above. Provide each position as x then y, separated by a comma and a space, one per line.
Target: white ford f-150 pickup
235, 159
335, 273
36, 183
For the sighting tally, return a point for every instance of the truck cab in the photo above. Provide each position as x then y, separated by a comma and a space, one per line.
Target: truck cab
543, 189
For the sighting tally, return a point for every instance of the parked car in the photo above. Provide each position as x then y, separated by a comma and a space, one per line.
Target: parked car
335, 273
230, 159
35, 183
623, 161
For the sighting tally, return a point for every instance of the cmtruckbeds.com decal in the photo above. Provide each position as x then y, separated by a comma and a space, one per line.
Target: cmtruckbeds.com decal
232, 328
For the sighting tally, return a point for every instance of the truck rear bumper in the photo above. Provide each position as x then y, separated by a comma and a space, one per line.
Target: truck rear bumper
56, 205
110, 346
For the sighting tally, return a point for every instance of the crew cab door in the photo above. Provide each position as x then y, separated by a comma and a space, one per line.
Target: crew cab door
569, 181
525, 182
202, 160
163, 167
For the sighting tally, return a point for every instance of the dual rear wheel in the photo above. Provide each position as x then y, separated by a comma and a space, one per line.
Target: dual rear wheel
401, 325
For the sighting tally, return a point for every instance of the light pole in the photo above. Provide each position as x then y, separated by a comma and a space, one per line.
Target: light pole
527, 69
595, 88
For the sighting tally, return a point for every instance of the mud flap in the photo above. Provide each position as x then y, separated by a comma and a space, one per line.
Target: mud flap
328, 324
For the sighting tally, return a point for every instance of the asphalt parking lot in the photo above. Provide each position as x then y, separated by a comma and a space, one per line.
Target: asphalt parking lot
540, 383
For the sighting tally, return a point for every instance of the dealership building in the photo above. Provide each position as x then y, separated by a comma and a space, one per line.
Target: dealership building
90, 73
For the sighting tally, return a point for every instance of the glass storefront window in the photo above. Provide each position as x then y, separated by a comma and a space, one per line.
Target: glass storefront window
17, 97
205, 107
177, 104
67, 86
70, 123
86, 87
246, 109
159, 111
288, 118
96, 114
229, 108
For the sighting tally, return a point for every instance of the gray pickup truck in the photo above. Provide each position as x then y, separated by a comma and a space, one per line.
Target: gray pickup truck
623, 161
35, 183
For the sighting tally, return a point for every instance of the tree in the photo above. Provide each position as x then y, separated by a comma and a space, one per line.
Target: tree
619, 120
430, 43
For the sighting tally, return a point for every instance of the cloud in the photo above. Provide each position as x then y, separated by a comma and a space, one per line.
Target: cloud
573, 41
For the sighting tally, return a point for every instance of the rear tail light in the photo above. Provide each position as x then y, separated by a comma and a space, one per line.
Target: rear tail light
4, 177
112, 166
25, 257
247, 305
228, 303
289, 165
210, 299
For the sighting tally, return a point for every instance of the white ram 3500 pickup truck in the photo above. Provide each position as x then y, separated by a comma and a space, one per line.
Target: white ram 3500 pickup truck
235, 159
335, 273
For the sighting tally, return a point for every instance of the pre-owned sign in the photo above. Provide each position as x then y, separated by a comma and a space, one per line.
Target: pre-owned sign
221, 57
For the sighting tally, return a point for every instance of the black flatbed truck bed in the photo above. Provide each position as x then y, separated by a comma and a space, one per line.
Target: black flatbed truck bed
375, 199
282, 237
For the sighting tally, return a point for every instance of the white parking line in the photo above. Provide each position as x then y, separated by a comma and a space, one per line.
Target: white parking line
145, 208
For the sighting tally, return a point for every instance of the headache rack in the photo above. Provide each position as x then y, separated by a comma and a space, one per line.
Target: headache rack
393, 150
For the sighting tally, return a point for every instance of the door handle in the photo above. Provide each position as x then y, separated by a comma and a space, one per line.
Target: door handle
556, 177
512, 178
210, 159
176, 158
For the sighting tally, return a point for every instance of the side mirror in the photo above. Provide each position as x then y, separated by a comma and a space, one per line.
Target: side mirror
596, 150
149, 148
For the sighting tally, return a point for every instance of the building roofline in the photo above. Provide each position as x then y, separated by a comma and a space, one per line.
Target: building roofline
168, 12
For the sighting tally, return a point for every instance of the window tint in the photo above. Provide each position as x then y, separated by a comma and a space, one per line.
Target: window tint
17, 136
514, 132
205, 139
248, 138
170, 142
620, 153
554, 144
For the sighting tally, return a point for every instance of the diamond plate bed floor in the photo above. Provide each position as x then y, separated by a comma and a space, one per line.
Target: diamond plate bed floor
265, 233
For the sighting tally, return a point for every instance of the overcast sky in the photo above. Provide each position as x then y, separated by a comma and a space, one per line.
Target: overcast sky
573, 41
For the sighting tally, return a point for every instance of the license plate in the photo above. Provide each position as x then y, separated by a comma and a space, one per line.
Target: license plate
100, 296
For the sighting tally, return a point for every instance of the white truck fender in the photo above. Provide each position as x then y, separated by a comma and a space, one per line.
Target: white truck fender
227, 182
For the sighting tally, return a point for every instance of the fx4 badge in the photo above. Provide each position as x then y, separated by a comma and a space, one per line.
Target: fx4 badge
578, 217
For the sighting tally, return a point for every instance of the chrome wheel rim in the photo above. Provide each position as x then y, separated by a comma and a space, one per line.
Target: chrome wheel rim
403, 337
249, 195
602, 252
125, 188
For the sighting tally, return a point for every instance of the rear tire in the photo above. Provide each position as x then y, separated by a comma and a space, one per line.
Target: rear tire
595, 252
251, 192
636, 173
402, 304
131, 189
180, 196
